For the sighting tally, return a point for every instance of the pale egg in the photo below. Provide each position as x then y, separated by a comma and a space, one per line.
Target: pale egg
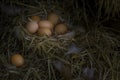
45, 24
61, 28
35, 18
32, 27
53, 18
44, 32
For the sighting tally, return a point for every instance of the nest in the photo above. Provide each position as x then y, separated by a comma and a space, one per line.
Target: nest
35, 42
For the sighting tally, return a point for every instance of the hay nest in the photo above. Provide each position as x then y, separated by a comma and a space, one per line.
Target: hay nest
35, 42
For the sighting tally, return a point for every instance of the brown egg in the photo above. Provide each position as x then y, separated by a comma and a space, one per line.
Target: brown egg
53, 18
61, 28
32, 27
45, 24
44, 32
35, 18
17, 60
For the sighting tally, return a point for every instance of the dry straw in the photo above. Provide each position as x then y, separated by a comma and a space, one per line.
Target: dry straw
110, 7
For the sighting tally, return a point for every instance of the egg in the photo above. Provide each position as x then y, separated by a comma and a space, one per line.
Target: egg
45, 24
35, 18
44, 32
61, 28
53, 18
32, 27
17, 60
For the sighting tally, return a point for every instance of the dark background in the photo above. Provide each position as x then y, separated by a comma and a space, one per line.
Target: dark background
74, 8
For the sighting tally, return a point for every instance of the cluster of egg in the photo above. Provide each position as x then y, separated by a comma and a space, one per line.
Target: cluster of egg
42, 27
48, 27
